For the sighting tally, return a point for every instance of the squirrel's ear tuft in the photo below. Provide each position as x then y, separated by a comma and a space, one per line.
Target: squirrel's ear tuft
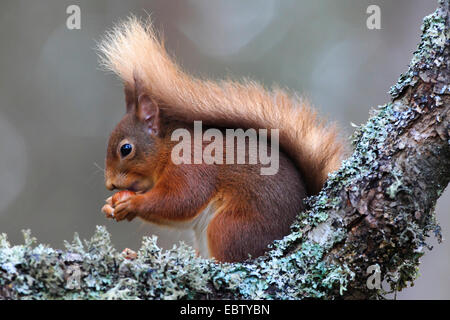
130, 98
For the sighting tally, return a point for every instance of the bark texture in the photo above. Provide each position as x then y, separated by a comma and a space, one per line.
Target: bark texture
377, 210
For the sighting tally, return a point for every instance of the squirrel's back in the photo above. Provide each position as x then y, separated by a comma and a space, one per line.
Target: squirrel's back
133, 49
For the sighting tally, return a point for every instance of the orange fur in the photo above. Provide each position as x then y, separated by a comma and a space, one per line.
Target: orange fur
133, 48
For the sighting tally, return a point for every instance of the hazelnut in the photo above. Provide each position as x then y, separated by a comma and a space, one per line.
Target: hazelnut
121, 196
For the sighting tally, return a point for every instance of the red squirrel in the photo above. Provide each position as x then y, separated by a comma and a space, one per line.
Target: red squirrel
234, 210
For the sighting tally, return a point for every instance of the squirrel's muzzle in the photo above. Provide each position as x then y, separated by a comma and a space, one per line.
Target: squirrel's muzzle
109, 185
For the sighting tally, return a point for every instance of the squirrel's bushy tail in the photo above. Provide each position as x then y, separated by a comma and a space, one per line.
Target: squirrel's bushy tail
134, 47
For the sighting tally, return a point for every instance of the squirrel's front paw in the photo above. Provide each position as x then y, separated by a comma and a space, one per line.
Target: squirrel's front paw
121, 199
108, 210
126, 209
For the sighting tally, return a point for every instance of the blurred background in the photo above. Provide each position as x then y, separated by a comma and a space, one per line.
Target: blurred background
57, 107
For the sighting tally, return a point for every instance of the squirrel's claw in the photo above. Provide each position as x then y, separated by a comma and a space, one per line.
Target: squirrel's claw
108, 211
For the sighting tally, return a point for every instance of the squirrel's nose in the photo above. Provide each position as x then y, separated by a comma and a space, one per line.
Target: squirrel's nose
109, 185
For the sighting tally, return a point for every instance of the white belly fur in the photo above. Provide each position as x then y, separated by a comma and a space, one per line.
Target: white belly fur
200, 226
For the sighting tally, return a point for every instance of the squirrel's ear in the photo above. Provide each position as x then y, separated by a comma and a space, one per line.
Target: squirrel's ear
146, 109
148, 112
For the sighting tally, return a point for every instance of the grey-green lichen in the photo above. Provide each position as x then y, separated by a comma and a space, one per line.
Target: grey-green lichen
369, 162
94, 270
435, 37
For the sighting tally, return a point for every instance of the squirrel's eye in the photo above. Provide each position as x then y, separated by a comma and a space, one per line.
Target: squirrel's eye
125, 149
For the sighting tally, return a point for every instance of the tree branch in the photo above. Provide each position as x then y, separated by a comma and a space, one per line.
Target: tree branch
378, 209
